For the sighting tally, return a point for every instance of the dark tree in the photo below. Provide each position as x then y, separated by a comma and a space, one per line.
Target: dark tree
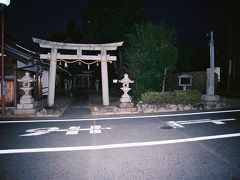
70, 35
109, 21
151, 49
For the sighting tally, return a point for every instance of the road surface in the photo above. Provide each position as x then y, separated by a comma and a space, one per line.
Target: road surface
200, 145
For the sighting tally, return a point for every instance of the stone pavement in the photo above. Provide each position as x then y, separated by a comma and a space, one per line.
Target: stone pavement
65, 107
78, 108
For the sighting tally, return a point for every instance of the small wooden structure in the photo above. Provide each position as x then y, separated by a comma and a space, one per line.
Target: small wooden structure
185, 81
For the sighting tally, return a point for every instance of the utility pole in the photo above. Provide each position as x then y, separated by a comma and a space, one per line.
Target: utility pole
210, 71
3, 4
212, 54
229, 74
210, 94
3, 82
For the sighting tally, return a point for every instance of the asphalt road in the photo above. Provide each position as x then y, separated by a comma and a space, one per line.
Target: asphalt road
170, 146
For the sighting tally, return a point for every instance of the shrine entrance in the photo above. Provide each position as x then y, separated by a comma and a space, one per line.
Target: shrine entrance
54, 56
83, 80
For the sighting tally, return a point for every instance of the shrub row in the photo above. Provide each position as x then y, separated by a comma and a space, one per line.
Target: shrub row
173, 97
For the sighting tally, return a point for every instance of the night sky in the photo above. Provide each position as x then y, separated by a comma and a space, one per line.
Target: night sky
192, 19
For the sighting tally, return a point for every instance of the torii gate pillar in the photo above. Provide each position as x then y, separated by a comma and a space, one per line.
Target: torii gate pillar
104, 73
52, 77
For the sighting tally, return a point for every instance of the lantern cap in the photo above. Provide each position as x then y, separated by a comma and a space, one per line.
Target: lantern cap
5, 2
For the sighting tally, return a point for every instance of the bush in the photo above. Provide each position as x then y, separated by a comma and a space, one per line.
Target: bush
174, 97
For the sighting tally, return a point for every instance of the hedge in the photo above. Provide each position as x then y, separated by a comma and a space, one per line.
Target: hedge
172, 97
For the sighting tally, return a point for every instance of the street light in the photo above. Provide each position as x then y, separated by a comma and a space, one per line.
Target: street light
3, 3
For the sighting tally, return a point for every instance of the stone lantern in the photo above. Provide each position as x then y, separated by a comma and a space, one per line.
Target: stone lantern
125, 100
26, 105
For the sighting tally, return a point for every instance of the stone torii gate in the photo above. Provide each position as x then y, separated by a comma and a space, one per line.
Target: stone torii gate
54, 56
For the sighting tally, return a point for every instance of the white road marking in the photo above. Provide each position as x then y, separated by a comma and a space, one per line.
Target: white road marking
198, 121
218, 122
178, 124
174, 124
95, 129
118, 118
115, 146
73, 130
40, 131
194, 121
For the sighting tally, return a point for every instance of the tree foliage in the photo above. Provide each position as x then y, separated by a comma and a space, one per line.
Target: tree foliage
184, 60
150, 49
70, 35
109, 21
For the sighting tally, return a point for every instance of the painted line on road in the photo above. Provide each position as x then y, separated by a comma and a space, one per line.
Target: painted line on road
174, 124
115, 146
118, 118
199, 121
73, 130
179, 124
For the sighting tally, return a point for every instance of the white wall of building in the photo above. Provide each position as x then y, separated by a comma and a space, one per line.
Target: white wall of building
45, 82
